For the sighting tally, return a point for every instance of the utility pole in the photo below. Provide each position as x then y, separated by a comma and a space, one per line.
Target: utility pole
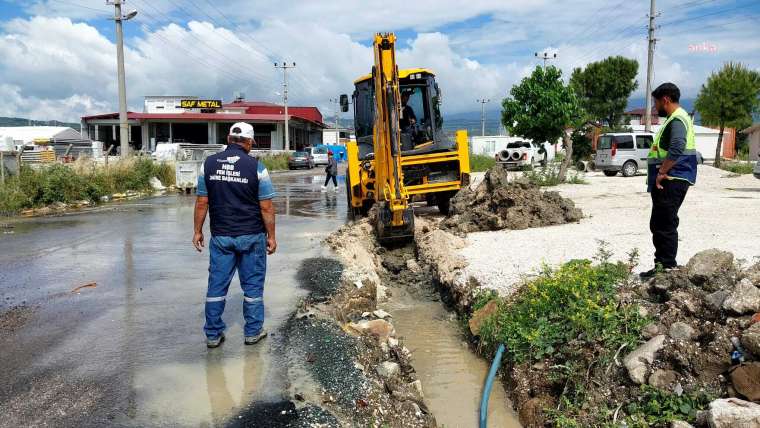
336, 101
285, 66
483, 102
123, 125
546, 57
650, 68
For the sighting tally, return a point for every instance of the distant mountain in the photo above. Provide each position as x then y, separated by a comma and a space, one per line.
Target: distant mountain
19, 121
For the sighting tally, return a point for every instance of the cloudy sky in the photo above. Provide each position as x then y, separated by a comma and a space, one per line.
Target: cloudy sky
58, 60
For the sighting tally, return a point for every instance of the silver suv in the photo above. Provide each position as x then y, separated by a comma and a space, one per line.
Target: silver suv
624, 152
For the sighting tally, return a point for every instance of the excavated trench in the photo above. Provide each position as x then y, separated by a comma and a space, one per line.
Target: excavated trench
452, 374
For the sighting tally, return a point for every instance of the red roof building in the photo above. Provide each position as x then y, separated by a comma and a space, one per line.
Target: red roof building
175, 119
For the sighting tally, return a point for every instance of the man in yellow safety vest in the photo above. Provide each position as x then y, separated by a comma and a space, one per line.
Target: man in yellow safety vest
672, 169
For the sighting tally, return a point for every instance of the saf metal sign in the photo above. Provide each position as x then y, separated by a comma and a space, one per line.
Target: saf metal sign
202, 104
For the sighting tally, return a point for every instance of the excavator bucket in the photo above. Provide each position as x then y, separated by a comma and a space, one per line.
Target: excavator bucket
387, 233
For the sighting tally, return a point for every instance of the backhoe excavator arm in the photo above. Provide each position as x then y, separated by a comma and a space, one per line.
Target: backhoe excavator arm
395, 219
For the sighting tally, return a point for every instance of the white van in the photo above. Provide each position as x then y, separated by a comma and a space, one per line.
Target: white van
319, 154
624, 152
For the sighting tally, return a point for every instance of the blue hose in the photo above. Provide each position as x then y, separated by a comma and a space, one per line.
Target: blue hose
488, 386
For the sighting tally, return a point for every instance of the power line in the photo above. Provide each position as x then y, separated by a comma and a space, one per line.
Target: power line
229, 61
300, 81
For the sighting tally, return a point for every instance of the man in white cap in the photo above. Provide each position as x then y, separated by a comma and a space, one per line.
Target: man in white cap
236, 190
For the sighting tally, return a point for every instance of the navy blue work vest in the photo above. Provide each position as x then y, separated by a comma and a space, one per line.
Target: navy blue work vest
232, 182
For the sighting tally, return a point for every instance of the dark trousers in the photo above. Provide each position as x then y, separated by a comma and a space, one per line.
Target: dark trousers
664, 220
329, 176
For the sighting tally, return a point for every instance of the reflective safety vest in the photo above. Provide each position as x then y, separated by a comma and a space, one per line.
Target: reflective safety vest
685, 167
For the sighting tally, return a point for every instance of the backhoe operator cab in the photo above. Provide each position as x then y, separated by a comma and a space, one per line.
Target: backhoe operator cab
424, 134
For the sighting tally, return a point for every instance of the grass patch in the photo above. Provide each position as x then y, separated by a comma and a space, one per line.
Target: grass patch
738, 167
81, 181
659, 408
560, 305
548, 175
576, 178
479, 163
275, 162
570, 319
544, 176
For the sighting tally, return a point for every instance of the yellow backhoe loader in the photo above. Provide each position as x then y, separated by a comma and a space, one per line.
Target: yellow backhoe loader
401, 154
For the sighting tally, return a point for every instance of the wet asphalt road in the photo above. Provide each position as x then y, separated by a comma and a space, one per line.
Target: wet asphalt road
130, 351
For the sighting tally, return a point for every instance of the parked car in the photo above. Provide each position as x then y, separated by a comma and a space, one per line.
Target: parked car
523, 153
319, 154
624, 152
300, 160
756, 171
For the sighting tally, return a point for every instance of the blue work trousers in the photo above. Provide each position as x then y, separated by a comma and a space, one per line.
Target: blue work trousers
248, 255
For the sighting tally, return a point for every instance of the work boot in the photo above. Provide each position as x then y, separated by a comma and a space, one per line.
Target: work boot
651, 273
324, 189
252, 340
215, 342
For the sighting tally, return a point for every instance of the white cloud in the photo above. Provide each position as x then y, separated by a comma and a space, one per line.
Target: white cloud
478, 49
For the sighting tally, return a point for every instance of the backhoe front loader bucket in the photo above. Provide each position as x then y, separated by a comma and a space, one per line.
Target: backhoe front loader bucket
387, 233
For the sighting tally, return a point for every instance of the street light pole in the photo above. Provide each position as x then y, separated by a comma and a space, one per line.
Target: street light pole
545, 56
123, 125
483, 102
285, 66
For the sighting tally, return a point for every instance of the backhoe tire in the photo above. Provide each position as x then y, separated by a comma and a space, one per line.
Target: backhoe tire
444, 203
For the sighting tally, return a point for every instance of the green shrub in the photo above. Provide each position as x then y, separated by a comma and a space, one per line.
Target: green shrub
659, 408
480, 163
12, 197
275, 162
166, 173
35, 187
560, 305
738, 167
544, 176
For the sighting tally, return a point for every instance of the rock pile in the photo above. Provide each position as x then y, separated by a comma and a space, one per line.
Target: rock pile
500, 203
704, 336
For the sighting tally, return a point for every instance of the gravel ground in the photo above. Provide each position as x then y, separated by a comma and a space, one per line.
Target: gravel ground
721, 211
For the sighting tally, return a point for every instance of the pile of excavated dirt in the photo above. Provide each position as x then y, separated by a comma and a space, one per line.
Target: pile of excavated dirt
703, 340
500, 203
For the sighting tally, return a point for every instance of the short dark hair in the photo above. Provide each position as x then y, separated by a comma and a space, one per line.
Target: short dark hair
669, 90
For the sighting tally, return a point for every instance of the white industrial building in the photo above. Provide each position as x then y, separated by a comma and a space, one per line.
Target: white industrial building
14, 136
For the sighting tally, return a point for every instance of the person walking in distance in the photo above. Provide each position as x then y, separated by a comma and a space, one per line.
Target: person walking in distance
235, 189
672, 169
331, 170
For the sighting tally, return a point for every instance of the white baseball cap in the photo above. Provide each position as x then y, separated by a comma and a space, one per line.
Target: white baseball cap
241, 129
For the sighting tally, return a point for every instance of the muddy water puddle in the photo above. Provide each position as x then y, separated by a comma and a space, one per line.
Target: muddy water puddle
452, 375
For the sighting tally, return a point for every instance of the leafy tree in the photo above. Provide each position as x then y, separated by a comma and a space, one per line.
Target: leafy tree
540, 109
603, 87
728, 99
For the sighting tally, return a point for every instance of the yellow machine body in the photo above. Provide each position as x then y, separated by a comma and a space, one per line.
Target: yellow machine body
390, 166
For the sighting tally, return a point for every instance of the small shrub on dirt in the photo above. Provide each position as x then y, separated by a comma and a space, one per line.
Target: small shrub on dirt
575, 300
659, 408
738, 167
275, 162
479, 163
482, 297
576, 178
544, 176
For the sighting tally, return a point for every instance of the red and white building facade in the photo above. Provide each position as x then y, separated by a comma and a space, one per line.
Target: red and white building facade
178, 119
